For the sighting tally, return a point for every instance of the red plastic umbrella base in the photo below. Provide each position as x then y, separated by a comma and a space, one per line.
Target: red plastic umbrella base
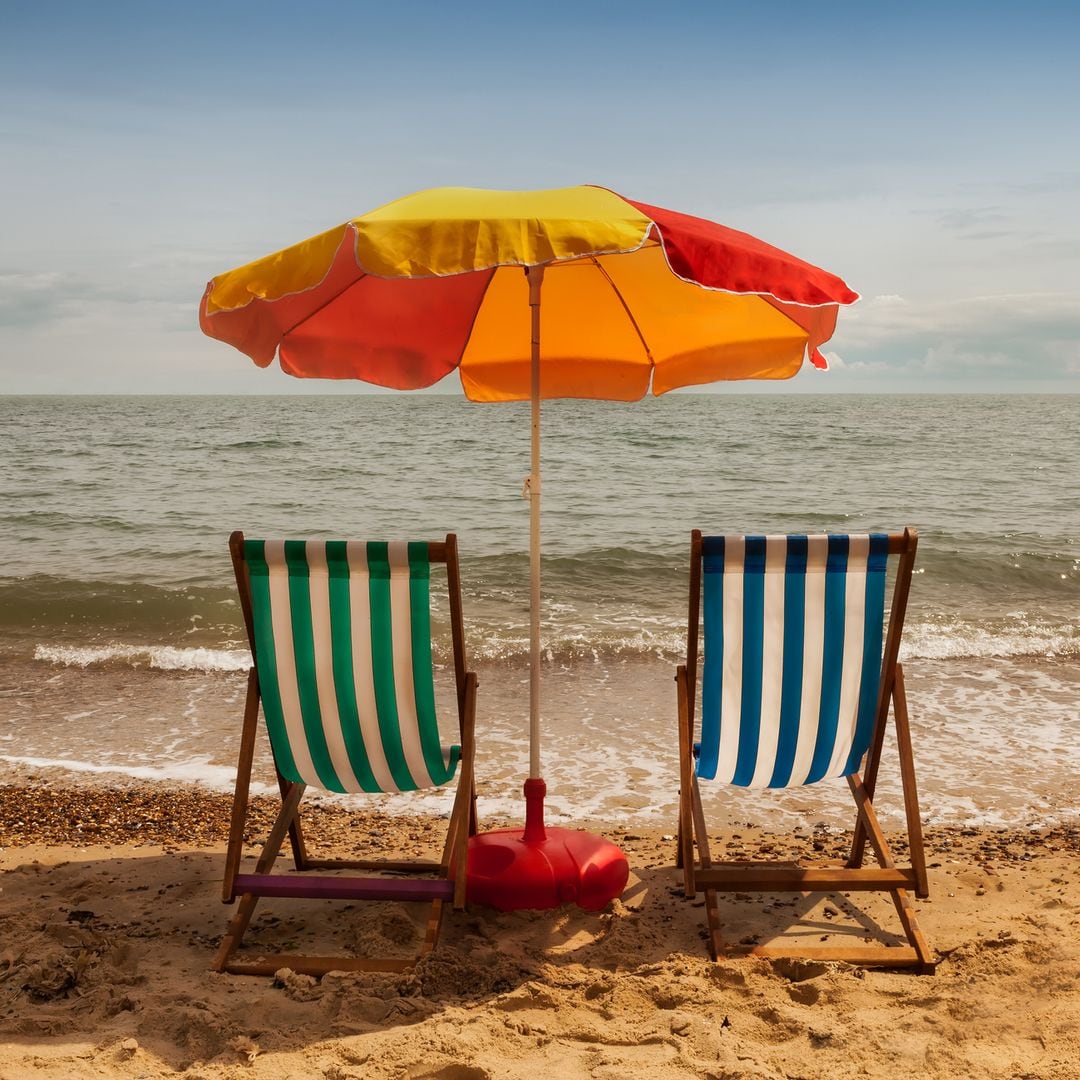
536, 867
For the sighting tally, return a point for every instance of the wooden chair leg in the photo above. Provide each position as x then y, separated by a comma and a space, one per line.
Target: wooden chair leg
700, 832
462, 818
685, 838
907, 778
456, 848
296, 836
906, 911
239, 923
235, 931
234, 851
433, 928
474, 825
904, 908
870, 771
713, 929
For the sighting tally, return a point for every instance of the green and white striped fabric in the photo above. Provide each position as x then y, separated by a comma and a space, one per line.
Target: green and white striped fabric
343, 652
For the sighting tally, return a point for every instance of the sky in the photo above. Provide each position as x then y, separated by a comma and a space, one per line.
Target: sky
927, 153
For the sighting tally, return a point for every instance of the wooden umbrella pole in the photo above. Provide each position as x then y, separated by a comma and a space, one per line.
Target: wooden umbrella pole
536, 277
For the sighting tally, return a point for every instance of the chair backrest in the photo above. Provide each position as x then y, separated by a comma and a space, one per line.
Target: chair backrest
795, 678
341, 636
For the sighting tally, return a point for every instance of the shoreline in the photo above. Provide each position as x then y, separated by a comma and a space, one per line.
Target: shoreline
110, 916
87, 812
1015, 723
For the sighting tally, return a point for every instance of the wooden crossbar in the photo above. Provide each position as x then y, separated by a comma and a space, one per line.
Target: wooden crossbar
403, 866
336, 888
752, 877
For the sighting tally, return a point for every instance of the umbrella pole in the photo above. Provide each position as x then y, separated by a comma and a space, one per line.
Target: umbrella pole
536, 277
514, 869
535, 788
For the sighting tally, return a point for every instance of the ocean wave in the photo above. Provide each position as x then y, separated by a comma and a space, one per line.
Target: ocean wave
968, 641
926, 641
583, 646
158, 657
173, 576
261, 444
938, 640
200, 771
117, 608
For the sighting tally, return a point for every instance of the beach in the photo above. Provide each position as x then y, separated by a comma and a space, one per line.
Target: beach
122, 672
588, 302
111, 914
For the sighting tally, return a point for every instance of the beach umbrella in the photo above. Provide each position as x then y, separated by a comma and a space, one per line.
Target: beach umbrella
635, 298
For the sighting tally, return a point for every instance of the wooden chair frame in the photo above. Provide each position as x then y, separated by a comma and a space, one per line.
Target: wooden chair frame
702, 872
445, 879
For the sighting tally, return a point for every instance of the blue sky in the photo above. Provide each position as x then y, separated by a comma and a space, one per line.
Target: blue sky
928, 154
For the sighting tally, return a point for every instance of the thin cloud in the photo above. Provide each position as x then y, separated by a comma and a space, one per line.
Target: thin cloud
880, 319
1034, 334
31, 299
1051, 184
54, 300
964, 219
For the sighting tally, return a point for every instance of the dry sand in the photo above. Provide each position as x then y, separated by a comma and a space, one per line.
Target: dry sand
109, 918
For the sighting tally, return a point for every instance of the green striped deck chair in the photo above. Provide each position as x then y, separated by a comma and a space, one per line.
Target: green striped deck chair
340, 635
798, 673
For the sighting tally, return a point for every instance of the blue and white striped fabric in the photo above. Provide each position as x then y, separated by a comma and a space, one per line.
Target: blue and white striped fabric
793, 649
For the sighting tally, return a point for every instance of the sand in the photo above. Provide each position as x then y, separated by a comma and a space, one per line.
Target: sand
110, 915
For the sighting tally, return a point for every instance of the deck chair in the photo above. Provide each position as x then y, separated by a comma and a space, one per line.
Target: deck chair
341, 648
796, 687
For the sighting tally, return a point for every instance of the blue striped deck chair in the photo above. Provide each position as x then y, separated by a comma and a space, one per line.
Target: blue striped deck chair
340, 636
797, 678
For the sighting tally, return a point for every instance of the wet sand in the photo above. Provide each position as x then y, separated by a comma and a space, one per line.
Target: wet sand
110, 916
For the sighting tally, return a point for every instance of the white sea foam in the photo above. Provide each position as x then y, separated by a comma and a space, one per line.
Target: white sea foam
159, 657
964, 640
954, 639
192, 771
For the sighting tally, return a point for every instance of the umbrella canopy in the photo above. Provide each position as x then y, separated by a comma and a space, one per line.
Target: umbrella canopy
430, 283
634, 297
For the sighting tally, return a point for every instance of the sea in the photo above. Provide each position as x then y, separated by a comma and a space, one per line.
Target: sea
123, 656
